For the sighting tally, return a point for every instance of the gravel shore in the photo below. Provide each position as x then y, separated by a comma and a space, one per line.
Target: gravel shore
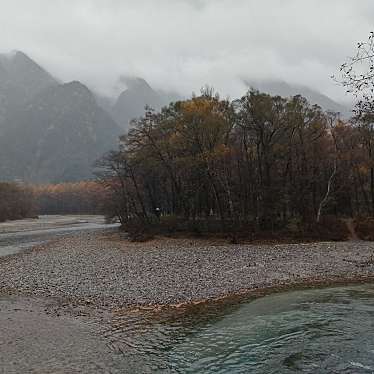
89, 268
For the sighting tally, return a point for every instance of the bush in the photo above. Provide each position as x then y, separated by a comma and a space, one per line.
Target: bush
138, 230
16, 202
365, 228
329, 229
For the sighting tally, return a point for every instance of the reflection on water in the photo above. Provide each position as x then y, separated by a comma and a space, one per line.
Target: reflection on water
312, 331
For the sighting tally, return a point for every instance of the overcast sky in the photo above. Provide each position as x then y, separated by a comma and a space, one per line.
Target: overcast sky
184, 44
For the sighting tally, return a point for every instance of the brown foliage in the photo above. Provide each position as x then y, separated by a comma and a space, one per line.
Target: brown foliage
16, 202
248, 166
85, 197
365, 228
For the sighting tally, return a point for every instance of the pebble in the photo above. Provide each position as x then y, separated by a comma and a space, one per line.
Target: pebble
88, 268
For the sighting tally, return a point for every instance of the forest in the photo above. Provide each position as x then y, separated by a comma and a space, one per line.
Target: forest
86, 197
19, 201
260, 163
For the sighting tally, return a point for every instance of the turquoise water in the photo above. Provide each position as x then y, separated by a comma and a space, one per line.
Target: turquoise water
313, 331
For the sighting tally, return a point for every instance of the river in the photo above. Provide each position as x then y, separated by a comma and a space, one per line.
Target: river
16, 236
327, 330
313, 331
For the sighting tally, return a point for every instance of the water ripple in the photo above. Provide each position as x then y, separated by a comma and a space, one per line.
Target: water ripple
314, 331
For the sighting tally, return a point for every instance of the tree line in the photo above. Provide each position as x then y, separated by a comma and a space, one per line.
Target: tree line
19, 201
262, 161
85, 197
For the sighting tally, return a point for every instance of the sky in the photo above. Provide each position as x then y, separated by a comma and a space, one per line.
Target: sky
182, 45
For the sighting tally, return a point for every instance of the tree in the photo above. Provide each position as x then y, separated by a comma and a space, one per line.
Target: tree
256, 163
357, 76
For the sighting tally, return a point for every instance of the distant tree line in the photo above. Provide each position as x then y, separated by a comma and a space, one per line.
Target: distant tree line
16, 202
86, 197
19, 201
262, 161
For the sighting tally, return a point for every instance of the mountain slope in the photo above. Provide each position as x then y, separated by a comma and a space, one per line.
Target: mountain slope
25, 74
286, 90
20, 79
57, 136
139, 94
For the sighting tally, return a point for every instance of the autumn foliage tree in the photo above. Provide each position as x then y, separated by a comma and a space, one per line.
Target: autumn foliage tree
257, 163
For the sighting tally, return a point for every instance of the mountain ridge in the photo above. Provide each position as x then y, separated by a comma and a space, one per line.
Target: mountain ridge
284, 89
52, 131
132, 101
49, 132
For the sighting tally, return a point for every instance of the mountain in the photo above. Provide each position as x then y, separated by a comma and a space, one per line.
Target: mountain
25, 74
105, 102
20, 79
56, 136
54, 132
49, 132
287, 90
139, 94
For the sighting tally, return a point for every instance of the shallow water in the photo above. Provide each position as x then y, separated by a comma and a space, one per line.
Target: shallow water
312, 331
16, 236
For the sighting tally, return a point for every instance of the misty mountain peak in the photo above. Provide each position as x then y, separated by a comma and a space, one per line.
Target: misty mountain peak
78, 89
136, 83
131, 102
21, 78
19, 63
21, 57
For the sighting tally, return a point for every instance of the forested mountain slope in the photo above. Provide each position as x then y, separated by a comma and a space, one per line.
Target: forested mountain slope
49, 132
57, 136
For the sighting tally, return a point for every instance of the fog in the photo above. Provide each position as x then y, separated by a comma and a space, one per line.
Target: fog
181, 45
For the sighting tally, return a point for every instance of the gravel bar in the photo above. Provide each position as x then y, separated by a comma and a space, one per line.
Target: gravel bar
89, 268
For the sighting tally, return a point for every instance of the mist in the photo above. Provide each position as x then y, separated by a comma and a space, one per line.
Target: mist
183, 45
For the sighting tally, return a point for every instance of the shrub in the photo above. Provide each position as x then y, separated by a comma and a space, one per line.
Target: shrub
365, 228
16, 202
329, 229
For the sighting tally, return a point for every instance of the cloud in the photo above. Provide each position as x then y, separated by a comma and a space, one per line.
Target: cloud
182, 45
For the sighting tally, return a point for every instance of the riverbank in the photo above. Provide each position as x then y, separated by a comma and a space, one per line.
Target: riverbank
104, 272
16, 236
34, 340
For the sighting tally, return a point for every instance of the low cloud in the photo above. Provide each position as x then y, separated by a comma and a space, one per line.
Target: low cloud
181, 45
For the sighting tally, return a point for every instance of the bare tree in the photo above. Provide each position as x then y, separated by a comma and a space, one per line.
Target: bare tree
331, 122
357, 76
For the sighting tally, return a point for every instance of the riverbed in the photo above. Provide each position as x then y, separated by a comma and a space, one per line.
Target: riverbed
85, 300
105, 270
17, 236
